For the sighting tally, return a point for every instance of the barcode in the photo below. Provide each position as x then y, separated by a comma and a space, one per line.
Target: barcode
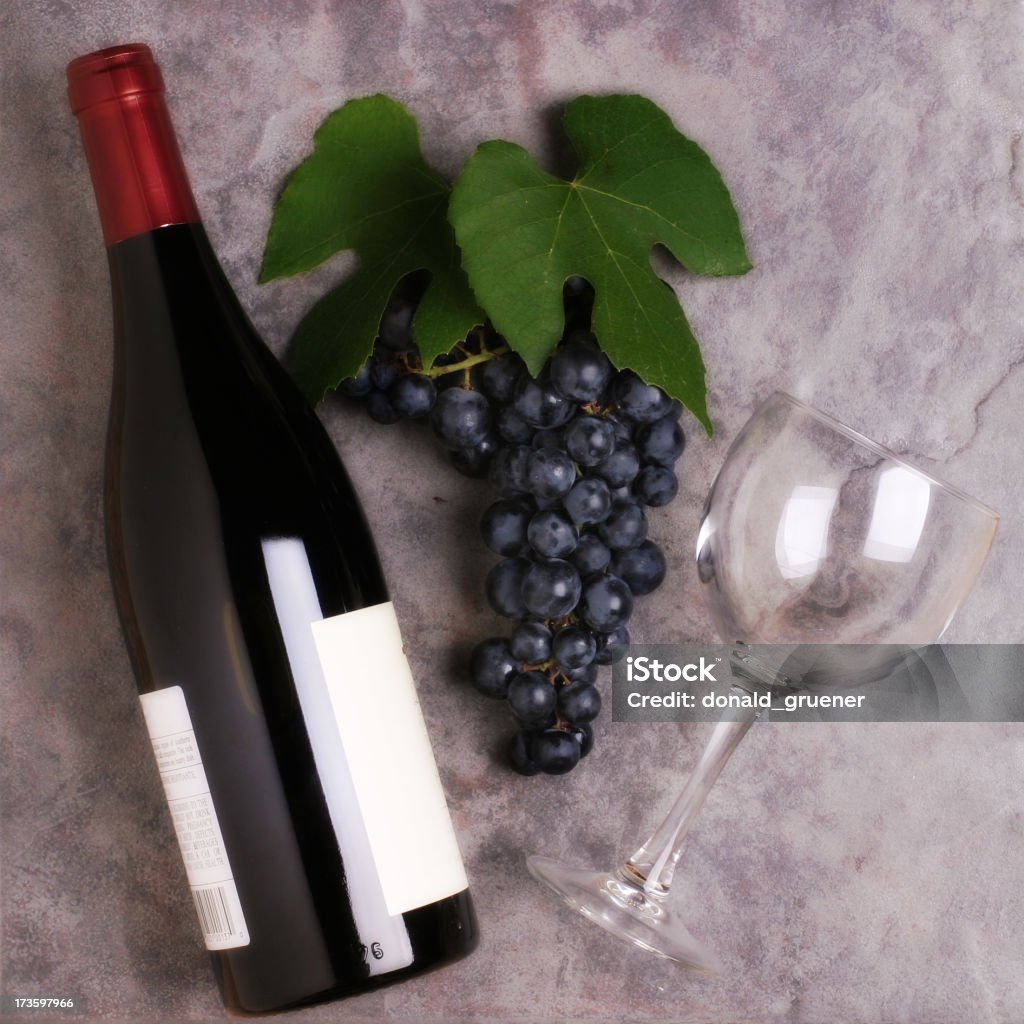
214, 913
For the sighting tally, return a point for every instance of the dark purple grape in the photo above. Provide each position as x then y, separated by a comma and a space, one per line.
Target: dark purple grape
662, 442
625, 526
512, 427
621, 467
539, 404
589, 501
492, 667
520, 754
499, 377
580, 371
461, 417
413, 395
638, 400
503, 525
509, 469
588, 673
551, 589
592, 555
475, 461
656, 486
379, 406
383, 372
551, 534
606, 603
612, 646
555, 751
532, 698
504, 587
579, 702
573, 647
589, 440
531, 643
643, 567
550, 474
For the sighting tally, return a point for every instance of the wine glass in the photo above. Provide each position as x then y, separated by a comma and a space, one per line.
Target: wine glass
812, 533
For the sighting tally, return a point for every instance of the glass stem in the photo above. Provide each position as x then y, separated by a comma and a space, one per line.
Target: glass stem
654, 864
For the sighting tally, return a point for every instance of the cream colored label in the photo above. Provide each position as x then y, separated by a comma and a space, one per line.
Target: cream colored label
383, 936
388, 751
195, 818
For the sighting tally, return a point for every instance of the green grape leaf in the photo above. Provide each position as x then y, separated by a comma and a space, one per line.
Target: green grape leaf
523, 232
367, 187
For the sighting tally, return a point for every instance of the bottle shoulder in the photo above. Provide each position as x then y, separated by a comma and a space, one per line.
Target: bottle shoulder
200, 403
186, 351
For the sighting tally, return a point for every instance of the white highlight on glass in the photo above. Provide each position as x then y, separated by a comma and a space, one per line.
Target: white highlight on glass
298, 607
802, 538
706, 532
898, 517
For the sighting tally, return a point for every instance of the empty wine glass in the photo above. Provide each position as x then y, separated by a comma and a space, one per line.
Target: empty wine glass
812, 533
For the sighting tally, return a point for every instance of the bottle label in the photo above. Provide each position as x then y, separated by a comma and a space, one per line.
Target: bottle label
195, 818
390, 760
352, 654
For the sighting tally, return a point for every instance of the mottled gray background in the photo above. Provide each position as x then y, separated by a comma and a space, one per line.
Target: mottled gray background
845, 873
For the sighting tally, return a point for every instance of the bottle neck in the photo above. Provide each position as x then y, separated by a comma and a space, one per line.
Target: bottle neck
136, 167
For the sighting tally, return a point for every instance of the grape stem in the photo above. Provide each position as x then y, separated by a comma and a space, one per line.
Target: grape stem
469, 361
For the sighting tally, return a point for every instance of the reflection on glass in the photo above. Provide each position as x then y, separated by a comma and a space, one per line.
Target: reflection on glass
707, 528
802, 540
898, 517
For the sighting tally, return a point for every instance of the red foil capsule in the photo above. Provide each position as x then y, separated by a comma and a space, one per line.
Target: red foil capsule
137, 171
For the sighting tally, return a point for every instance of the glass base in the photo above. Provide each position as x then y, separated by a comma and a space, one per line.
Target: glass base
625, 910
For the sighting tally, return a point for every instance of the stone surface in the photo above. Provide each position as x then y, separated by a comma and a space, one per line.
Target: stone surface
861, 873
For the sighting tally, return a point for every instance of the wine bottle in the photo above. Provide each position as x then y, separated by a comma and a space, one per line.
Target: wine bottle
302, 788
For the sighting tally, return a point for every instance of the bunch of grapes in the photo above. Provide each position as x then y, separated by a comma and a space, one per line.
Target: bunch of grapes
576, 454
